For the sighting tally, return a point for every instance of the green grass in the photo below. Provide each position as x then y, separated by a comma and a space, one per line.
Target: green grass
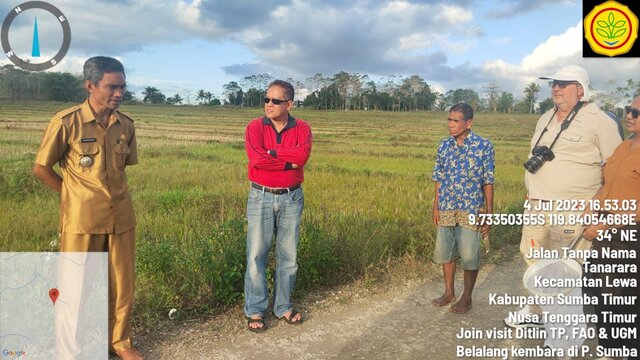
368, 193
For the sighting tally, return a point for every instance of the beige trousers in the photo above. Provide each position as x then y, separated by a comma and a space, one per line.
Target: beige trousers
550, 236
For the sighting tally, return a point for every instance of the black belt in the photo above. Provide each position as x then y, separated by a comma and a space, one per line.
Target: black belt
541, 200
277, 191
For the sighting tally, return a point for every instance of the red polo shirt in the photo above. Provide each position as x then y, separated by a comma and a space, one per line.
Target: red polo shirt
292, 145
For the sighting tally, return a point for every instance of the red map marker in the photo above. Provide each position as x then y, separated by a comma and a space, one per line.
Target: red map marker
53, 294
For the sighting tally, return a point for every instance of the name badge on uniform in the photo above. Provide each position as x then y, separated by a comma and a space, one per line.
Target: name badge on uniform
86, 161
88, 140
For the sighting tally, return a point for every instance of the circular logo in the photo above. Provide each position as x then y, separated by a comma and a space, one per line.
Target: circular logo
611, 29
86, 161
66, 35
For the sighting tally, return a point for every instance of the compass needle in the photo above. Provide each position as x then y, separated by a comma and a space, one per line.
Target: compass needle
35, 46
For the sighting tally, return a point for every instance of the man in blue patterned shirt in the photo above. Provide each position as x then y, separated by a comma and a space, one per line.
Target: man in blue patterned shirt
463, 174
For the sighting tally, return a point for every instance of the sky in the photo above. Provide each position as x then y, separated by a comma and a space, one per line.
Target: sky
186, 45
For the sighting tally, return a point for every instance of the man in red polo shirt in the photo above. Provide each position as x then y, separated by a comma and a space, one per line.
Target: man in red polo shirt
278, 147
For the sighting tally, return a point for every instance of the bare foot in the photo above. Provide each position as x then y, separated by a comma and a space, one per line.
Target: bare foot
444, 300
461, 307
129, 354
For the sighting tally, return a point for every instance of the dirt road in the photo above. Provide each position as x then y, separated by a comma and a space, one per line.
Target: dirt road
398, 324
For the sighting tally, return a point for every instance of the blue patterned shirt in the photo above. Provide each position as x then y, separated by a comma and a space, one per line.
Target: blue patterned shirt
462, 172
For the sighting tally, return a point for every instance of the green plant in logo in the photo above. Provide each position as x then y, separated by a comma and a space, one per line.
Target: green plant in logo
611, 28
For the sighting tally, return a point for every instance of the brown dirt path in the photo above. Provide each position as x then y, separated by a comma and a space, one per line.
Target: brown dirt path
400, 323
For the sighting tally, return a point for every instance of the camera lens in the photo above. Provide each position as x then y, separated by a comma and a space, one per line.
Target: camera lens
533, 164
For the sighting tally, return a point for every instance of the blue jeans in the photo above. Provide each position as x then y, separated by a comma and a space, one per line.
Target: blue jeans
267, 214
452, 240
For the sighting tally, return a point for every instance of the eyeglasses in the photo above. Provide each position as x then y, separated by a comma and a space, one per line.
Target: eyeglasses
274, 101
561, 84
634, 112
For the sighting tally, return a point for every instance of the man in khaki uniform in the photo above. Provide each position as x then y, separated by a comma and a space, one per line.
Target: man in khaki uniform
93, 143
576, 138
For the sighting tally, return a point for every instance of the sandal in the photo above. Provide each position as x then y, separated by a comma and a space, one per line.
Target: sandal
291, 316
256, 321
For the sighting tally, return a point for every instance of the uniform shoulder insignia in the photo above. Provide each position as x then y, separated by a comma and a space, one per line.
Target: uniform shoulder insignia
68, 111
123, 115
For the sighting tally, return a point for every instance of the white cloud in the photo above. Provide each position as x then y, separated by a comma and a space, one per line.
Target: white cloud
438, 87
397, 8
279, 13
189, 15
70, 64
555, 52
417, 41
412, 44
548, 54
497, 67
252, 37
451, 14
397, 37
617, 70
473, 30
457, 47
508, 75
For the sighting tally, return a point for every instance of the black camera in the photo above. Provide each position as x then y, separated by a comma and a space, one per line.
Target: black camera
540, 155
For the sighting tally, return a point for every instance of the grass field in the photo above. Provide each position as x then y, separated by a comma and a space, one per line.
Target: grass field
368, 193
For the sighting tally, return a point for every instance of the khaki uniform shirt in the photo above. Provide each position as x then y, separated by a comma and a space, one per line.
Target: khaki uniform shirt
576, 171
94, 197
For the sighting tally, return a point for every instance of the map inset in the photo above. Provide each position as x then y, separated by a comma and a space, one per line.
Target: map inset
53, 305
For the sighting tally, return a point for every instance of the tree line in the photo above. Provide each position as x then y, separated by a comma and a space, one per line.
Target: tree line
346, 91
341, 91
20, 85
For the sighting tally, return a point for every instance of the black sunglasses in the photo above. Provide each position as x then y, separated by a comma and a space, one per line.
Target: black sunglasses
561, 84
274, 101
634, 112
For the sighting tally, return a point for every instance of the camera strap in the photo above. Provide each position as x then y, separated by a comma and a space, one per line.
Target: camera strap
564, 126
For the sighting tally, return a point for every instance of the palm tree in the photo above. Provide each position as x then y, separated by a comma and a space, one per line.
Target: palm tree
153, 95
530, 94
175, 100
201, 96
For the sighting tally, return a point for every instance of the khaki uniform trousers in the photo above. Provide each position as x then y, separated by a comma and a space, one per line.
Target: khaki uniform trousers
121, 259
550, 237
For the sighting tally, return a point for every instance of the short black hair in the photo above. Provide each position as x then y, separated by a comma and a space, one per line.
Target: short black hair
95, 67
465, 109
286, 86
